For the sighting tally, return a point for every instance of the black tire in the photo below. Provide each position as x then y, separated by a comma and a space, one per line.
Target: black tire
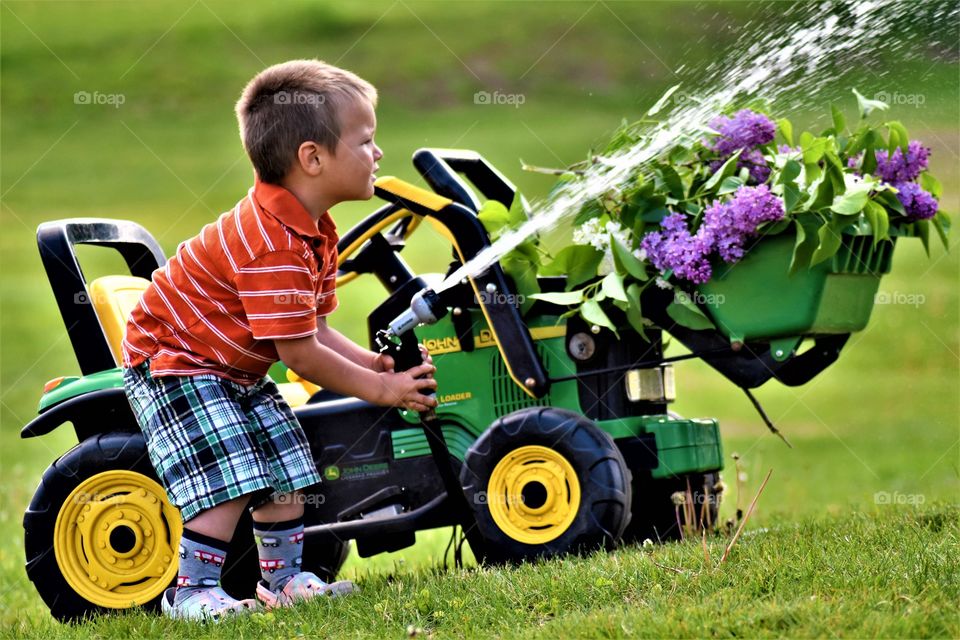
99, 459
602, 476
654, 514
241, 571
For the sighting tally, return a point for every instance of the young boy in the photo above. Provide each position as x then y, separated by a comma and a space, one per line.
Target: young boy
254, 287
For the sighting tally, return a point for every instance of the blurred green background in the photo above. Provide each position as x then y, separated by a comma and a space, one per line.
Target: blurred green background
882, 419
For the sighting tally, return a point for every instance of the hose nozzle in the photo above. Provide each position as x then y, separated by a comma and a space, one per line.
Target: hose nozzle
425, 308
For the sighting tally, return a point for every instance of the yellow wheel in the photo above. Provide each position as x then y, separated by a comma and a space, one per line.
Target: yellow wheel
114, 541
100, 532
543, 482
533, 494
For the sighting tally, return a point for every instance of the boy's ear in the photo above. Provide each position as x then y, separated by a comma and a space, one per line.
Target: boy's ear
311, 158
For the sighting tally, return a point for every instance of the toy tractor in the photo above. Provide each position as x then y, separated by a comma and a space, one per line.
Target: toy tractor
551, 436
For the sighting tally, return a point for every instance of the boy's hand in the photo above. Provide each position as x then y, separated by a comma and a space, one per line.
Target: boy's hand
382, 362
427, 358
405, 389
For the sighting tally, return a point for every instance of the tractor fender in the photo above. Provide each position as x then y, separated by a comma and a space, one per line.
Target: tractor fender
91, 413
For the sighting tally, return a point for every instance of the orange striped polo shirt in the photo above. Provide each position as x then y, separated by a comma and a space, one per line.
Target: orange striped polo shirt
261, 272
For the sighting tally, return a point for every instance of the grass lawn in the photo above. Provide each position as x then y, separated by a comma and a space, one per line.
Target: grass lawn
824, 554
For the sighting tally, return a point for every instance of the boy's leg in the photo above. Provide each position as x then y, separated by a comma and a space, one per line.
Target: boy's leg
203, 549
278, 523
280, 546
278, 532
205, 452
220, 521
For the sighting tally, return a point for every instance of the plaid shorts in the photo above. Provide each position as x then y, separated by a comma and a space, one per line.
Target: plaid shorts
212, 440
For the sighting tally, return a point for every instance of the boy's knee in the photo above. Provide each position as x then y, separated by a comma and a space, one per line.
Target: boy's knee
281, 506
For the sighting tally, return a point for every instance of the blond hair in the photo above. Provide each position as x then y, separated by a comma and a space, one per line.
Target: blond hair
291, 103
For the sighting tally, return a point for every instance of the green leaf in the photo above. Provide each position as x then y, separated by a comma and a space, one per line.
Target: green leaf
868, 106
851, 202
560, 297
869, 163
634, 313
791, 192
879, 221
527, 250
729, 185
494, 217
806, 243
577, 262
612, 286
524, 274
890, 200
830, 239
824, 196
898, 136
671, 180
858, 140
625, 261
813, 148
773, 227
791, 170
922, 228
655, 215
517, 213
590, 210
786, 129
662, 101
724, 171
941, 222
685, 313
592, 313
931, 185
791, 196
839, 122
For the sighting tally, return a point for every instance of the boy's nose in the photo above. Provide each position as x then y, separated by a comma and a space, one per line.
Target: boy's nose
377, 152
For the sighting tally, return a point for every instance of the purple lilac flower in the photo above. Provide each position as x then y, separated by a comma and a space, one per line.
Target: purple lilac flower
676, 248
745, 130
754, 162
726, 226
918, 204
731, 223
896, 168
785, 148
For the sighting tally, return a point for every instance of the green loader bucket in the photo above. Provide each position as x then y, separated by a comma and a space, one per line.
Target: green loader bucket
758, 299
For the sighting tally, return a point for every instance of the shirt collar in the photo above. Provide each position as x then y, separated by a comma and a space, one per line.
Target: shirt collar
284, 206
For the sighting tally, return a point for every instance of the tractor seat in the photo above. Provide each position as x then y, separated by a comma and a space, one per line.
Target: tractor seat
114, 298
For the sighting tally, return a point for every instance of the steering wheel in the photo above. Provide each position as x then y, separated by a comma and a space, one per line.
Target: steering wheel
359, 248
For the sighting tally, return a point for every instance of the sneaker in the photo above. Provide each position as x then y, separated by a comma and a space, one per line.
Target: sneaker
204, 605
303, 586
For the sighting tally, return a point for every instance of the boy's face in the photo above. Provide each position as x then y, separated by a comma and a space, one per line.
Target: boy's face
349, 174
